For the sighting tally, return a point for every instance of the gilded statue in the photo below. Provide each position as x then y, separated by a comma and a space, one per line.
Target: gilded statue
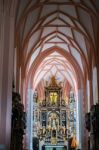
53, 81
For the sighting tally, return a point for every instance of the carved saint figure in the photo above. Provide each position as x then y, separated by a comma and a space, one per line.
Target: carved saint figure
53, 98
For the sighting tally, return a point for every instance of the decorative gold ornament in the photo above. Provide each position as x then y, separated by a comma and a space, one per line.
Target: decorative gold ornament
53, 141
53, 97
53, 81
74, 142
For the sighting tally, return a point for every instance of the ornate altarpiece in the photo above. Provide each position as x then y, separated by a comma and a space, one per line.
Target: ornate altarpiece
53, 114
56, 118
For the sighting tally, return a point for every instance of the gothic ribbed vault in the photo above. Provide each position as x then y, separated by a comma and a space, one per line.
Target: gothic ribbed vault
64, 27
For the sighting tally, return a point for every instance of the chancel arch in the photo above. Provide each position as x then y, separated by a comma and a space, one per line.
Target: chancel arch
60, 56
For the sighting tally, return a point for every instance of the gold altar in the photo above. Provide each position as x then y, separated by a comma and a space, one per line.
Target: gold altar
53, 115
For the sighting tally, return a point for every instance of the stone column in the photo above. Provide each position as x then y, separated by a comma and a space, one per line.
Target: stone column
29, 131
6, 75
80, 119
95, 86
97, 61
88, 95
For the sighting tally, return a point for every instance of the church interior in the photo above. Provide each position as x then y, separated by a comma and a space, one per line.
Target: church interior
49, 74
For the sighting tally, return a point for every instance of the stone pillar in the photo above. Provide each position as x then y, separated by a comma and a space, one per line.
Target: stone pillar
29, 131
81, 119
95, 86
88, 95
77, 120
6, 75
97, 62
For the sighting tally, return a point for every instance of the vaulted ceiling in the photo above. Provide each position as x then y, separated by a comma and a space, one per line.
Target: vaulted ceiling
67, 28
55, 64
